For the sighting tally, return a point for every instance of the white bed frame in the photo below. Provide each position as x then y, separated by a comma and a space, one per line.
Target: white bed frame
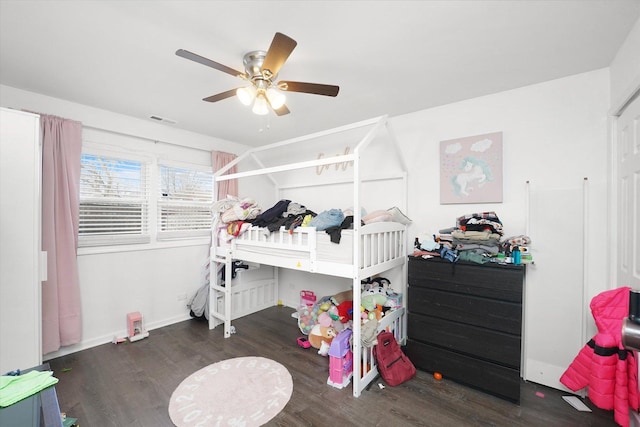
376, 248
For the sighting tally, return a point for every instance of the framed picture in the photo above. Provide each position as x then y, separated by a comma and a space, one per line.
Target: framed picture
471, 169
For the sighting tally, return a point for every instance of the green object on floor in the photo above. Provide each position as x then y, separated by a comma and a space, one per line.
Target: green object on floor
69, 422
15, 388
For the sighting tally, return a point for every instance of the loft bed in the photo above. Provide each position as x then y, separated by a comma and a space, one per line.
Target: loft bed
370, 165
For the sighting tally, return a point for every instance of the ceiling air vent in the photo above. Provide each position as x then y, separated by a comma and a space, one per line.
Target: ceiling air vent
163, 119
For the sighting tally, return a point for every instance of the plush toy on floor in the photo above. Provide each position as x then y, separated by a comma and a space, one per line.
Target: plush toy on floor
320, 337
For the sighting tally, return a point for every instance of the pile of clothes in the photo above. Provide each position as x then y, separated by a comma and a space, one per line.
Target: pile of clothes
476, 237
291, 215
233, 216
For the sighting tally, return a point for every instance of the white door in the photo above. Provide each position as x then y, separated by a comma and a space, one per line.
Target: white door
20, 281
628, 202
628, 182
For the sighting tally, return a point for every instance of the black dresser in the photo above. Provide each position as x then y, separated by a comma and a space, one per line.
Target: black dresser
465, 322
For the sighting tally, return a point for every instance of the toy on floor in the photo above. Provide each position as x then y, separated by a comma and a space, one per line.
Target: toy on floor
135, 329
320, 337
303, 342
340, 360
324, 312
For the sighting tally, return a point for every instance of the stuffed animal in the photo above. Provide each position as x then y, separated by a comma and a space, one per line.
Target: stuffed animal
320, 334
374, 292
324, 319
376, 284
345, 311
370, 301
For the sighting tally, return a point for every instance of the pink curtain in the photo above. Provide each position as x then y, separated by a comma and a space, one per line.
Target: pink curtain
225, 188
61, 311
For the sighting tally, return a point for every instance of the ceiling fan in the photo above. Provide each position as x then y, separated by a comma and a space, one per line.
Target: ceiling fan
261, 69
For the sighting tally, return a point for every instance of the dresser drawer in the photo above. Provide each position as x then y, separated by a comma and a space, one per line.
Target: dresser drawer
503, 316
502, 282
489, 377
481, 343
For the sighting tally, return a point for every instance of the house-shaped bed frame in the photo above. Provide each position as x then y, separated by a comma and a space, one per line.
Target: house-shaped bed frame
295, 165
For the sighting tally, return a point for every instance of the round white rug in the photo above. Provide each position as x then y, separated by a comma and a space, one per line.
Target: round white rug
245, 391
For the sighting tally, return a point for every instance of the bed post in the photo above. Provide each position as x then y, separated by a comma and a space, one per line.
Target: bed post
357, 329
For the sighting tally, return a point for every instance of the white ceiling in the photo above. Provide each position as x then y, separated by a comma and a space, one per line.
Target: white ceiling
388, 57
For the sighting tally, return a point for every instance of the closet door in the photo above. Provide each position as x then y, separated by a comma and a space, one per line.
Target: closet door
628, 164
627, 181
20, 250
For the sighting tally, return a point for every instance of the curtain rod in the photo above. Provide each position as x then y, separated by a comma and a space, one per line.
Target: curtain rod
157, 141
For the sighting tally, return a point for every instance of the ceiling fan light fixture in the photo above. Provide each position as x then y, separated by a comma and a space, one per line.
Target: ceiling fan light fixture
246, 95
260, 106
261, 69
275, 97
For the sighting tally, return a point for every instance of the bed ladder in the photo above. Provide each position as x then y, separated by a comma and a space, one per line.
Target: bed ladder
217, 289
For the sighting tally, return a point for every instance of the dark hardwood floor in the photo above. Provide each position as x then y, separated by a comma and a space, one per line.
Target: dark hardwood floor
130, 384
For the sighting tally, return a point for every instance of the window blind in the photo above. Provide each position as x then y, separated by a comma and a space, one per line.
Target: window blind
184, 202
114, 206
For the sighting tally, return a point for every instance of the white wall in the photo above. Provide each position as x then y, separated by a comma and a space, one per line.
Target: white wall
625, 68
94, 117
554, 135
157, 279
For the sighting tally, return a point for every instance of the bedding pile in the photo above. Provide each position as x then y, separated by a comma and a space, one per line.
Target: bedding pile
233, 216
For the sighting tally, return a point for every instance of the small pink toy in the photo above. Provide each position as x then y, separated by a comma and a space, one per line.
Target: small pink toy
135, 328
303, 342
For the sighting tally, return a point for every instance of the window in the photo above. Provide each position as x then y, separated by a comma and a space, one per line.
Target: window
114, 206
132, 197
184, 202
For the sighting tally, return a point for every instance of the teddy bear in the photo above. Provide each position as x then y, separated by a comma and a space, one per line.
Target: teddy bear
320, 337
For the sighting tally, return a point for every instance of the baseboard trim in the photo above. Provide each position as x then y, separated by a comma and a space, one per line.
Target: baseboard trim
105, 339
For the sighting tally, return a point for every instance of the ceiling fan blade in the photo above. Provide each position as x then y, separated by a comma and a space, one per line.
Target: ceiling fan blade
280, 49
209, 63
315, 88
221, 96
282, 111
